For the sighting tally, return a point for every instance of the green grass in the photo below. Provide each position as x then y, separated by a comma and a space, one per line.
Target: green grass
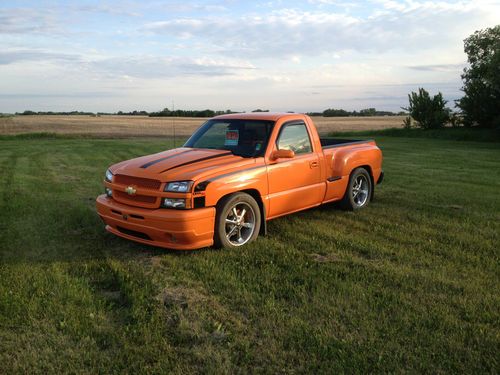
410, 284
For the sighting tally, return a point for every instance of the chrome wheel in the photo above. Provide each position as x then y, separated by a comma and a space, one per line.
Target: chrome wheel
237, 220
360, 190
240, 224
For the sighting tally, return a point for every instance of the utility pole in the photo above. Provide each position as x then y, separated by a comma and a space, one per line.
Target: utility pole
173, 120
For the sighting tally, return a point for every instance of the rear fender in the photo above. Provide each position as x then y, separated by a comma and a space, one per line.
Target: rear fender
345, 161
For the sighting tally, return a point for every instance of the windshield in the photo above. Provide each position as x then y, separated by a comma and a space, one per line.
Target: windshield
247, 138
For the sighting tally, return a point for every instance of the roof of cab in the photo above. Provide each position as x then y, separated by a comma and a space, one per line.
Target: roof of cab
269, 116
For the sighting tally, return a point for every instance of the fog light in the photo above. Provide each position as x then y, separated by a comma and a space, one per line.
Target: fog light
108, 192
174, 203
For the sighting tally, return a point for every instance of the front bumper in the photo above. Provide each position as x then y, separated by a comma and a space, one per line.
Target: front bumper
168, 228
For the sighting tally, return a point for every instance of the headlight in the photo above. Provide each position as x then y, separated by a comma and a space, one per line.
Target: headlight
109, 176
179, 186
174, 203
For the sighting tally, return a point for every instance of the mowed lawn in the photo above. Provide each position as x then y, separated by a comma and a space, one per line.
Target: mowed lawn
410, 284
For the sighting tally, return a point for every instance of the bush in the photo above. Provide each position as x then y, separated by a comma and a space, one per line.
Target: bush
407, 123
429, 113
481, 103
456, 120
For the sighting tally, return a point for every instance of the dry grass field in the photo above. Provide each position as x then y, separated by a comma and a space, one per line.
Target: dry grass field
137, 126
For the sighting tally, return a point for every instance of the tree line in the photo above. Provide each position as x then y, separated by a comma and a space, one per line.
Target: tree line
188, 113
330, 112
48, 113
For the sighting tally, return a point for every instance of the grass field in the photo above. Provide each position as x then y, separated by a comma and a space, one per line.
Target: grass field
410, 284
143, 126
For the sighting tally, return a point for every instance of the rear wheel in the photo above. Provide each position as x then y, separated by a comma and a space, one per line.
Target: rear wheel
359, 190
237, 221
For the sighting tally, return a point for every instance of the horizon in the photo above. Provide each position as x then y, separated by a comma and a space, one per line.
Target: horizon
305, 56
217, 112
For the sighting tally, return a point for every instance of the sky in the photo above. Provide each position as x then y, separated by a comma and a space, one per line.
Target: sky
297, 56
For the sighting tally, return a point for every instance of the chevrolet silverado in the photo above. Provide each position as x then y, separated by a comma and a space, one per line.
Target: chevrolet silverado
233, 174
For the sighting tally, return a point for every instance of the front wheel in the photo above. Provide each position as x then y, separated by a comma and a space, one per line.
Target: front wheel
237, 221
359, 190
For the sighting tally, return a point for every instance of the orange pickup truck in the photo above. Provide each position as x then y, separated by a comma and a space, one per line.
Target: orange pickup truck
232, 175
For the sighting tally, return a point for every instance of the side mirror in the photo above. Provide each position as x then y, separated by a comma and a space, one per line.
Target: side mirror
282, 154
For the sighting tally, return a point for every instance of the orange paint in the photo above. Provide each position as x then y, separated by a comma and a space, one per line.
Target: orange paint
282, 181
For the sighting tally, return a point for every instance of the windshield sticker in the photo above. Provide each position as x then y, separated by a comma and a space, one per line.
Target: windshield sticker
232, 137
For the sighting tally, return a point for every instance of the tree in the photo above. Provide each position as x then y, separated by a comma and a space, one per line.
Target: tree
368, 112
332, 112
429, 113
481, 102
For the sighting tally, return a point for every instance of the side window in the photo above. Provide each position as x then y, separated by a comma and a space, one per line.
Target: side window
294, 137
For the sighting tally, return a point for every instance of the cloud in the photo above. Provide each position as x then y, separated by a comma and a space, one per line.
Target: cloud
15, 56
164, 67
132, 66
115, 9
180, 7
86, 94
439, 67
141, 8
275, 54
288, 32
26, 20
282, 33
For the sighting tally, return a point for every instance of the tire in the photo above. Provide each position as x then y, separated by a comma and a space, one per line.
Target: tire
233, 227
359, 190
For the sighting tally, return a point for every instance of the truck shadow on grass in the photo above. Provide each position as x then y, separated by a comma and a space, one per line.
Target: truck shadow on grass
75, 234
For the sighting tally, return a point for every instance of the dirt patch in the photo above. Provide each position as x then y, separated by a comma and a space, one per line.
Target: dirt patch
179, 296
156, 261
330, 258
112, 295
193, 316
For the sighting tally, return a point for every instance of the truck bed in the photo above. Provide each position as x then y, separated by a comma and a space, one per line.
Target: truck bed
337, 142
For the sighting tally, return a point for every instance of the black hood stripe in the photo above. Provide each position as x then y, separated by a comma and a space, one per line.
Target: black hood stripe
198, 160
165, 158
235, 172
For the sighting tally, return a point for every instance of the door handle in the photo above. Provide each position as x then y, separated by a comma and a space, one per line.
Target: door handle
313, 164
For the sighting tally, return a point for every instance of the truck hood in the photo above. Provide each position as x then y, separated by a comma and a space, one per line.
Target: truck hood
181, 164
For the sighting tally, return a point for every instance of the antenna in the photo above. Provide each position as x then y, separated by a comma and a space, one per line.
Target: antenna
173, 120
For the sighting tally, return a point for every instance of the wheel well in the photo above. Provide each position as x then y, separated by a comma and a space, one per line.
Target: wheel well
254, 193
370, 173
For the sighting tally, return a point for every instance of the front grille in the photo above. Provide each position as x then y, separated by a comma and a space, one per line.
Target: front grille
144, 183
134, 198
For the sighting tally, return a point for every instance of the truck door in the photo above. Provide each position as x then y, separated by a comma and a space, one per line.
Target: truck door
294, 183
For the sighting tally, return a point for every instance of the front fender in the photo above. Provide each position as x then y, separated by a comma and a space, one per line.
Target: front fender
254, 178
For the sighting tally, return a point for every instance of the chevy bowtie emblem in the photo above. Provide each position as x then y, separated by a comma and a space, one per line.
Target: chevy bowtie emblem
130, 190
